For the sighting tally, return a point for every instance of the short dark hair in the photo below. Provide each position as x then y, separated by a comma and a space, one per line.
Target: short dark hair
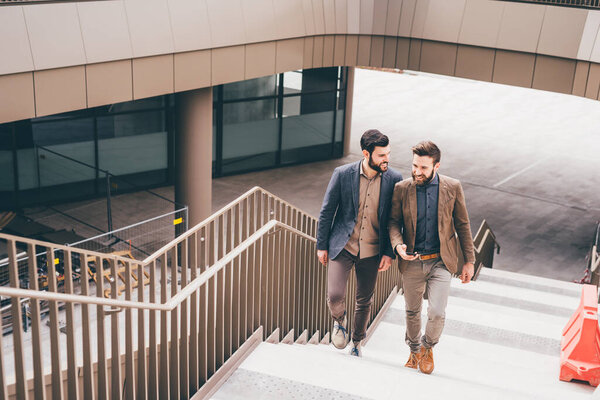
428, 148
373, 138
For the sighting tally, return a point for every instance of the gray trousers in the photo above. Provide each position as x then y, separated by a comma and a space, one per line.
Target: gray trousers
433, 277
338, 271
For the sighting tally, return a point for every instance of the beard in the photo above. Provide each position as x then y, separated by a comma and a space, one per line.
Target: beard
381, 167
425, 179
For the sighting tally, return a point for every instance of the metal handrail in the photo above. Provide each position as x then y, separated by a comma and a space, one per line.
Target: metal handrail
174, 301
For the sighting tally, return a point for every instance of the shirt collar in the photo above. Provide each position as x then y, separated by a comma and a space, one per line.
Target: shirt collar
362, 171
435, 181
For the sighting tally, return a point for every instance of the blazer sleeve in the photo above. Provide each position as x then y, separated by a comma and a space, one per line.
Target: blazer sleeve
328, 209
396, 218
463, 225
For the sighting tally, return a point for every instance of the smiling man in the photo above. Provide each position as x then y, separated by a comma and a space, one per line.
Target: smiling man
428, 213
353, 233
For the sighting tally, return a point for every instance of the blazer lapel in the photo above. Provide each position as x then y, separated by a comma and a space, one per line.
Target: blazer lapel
383, 193
412, 201
442, 199
355, 180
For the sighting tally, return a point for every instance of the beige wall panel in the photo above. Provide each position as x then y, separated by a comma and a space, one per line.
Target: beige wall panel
192, 70
379, 16
104, 30
226, 23
14, 46
438, 58
341, 17
419, 18
393, 17
289, 17
59, 90
21, 103
475, 63
319, 17
443, 20
189, 20
149, 27
376, 59
353, 9
329, 13
318, 52
227, 65
590, 33
152, 76
581, 75
593, 83
54, 35
260, 59
513, 68
367, 9
259, 20
309, 44
481, 23
554, 74
339, 50
562, 30
290, 54
351, 50
402, 51
520, 27
595, 56
406, 17
309, 18
389, 52
328, 47
414, 54
109, 83
364, 51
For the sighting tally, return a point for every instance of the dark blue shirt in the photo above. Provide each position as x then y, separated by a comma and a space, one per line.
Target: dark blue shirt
427, 238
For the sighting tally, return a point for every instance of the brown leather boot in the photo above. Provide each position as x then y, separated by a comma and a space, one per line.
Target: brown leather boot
413, 360
426, 360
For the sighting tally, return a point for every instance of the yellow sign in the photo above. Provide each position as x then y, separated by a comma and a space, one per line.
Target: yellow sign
56, 261
177, 221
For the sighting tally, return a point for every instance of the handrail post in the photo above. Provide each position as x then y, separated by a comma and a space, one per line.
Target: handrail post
108, 204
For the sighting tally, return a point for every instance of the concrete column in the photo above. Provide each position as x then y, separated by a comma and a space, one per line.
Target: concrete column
348, 116
193, 153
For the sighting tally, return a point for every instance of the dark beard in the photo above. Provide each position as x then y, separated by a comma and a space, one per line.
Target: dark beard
377, 167
426, 181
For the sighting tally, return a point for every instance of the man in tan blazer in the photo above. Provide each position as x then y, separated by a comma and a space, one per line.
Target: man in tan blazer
428, 215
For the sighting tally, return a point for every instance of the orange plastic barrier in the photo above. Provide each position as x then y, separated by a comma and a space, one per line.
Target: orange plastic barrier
580, 345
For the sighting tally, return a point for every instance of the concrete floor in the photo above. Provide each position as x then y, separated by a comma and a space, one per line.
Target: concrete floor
528, 161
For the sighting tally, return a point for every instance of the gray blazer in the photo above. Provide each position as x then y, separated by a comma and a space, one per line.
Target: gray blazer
340, 209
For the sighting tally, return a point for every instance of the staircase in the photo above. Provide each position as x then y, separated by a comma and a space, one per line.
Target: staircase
501, 340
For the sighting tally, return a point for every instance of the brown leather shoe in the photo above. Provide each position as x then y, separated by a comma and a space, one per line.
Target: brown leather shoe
426, 360
413, 360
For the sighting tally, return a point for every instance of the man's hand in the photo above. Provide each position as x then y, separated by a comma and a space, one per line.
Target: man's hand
385, 263
323, 257
401, 249
467, 272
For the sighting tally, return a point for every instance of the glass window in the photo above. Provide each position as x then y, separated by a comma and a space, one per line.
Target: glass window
307, 128
292, 82
258, 87
132, 143
7, 180
250, 135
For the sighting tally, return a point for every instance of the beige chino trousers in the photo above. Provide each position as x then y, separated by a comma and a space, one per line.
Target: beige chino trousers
429, 276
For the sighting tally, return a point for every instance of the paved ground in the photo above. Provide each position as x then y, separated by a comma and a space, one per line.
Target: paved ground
528, 160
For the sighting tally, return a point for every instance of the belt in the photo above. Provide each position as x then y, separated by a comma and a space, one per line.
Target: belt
428, 256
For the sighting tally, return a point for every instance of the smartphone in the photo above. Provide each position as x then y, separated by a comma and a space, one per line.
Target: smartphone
410, 253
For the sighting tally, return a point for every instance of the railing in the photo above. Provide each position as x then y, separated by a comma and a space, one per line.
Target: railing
591, 4
253, 264
593, 260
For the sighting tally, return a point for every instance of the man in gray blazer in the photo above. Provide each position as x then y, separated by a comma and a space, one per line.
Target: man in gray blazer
352, 233
428, 215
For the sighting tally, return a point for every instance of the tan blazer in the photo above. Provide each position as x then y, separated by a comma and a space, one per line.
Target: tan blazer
453, 219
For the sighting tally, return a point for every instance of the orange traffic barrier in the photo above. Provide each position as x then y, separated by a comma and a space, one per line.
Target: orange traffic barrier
580, 345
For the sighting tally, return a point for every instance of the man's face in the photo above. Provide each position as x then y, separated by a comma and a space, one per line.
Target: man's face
423, 169
378, 160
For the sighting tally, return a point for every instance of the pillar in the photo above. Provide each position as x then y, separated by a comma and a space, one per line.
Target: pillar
348, 115
193, 153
